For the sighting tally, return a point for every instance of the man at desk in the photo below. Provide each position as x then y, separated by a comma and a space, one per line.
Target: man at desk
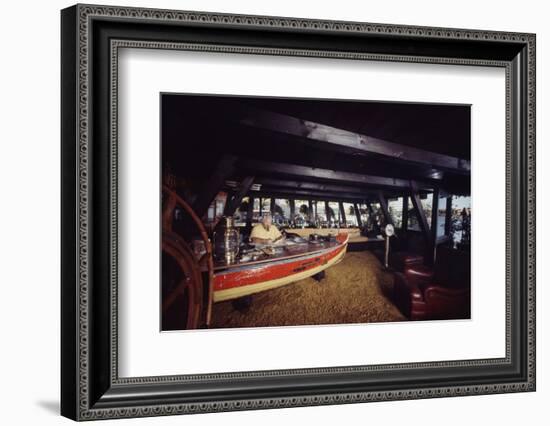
265, 232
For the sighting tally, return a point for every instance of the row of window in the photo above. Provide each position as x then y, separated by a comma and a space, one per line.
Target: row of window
330, 214
460, 215
306, 212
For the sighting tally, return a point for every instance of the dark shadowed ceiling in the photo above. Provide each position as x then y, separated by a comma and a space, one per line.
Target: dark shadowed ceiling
197, 131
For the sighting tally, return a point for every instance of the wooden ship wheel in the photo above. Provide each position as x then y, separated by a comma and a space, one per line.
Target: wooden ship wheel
186, 279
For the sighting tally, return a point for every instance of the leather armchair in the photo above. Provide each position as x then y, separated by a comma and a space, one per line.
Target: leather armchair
442, 292
403, 260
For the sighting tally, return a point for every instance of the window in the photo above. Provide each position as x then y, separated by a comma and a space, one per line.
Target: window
334, 214
427, 203
215, 210
460, 219
241, 213
265, 206
351, 218
301, 208
256, 210
441, 216
321, 214
413, 223
364, 212
395, 208
302, 213
281, 213
377, 217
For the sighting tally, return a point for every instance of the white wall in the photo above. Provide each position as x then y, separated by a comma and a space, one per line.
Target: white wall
29, 212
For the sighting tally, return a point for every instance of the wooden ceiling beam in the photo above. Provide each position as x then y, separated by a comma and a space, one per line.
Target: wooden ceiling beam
260, 167
351, 141
308, 195
314, 186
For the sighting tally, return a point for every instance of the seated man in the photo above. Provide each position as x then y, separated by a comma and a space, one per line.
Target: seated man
265, 232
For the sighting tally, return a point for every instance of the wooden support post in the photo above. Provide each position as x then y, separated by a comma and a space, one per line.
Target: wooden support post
311, 216
250, 211
210, 189
315, 212
292, 209
405, 223
235, 202
261, 206
342, 214
421, 215
327, 213
432, 246
372, 217
272, 206
384, 207
449, 216
358, 215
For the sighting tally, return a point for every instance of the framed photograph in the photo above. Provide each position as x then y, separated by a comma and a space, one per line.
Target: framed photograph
263, 212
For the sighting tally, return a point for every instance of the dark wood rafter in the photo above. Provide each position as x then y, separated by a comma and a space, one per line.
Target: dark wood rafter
405, 213
357, 214
448, 215
308, 173
434, 227
317, 186
342, 213
350, 142
328, 211
420, 214
307, 195
372, 216
250, 211
224, 169
384, 207
314, 210
234, 203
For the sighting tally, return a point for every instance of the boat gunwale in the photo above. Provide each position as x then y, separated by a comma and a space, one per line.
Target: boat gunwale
229, 269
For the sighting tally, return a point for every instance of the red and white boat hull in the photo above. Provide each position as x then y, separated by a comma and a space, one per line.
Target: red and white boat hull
253, 278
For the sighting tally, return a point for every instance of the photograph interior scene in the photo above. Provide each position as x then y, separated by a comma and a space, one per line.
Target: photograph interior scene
291, 212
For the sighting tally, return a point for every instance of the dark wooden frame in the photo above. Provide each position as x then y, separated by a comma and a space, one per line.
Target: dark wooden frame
90, 386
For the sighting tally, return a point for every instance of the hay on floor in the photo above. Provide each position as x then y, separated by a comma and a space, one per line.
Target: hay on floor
353, 291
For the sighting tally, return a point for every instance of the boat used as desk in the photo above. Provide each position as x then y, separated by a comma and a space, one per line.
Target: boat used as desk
276, 266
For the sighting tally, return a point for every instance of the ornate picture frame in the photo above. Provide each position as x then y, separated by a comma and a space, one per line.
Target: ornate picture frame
91, 38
